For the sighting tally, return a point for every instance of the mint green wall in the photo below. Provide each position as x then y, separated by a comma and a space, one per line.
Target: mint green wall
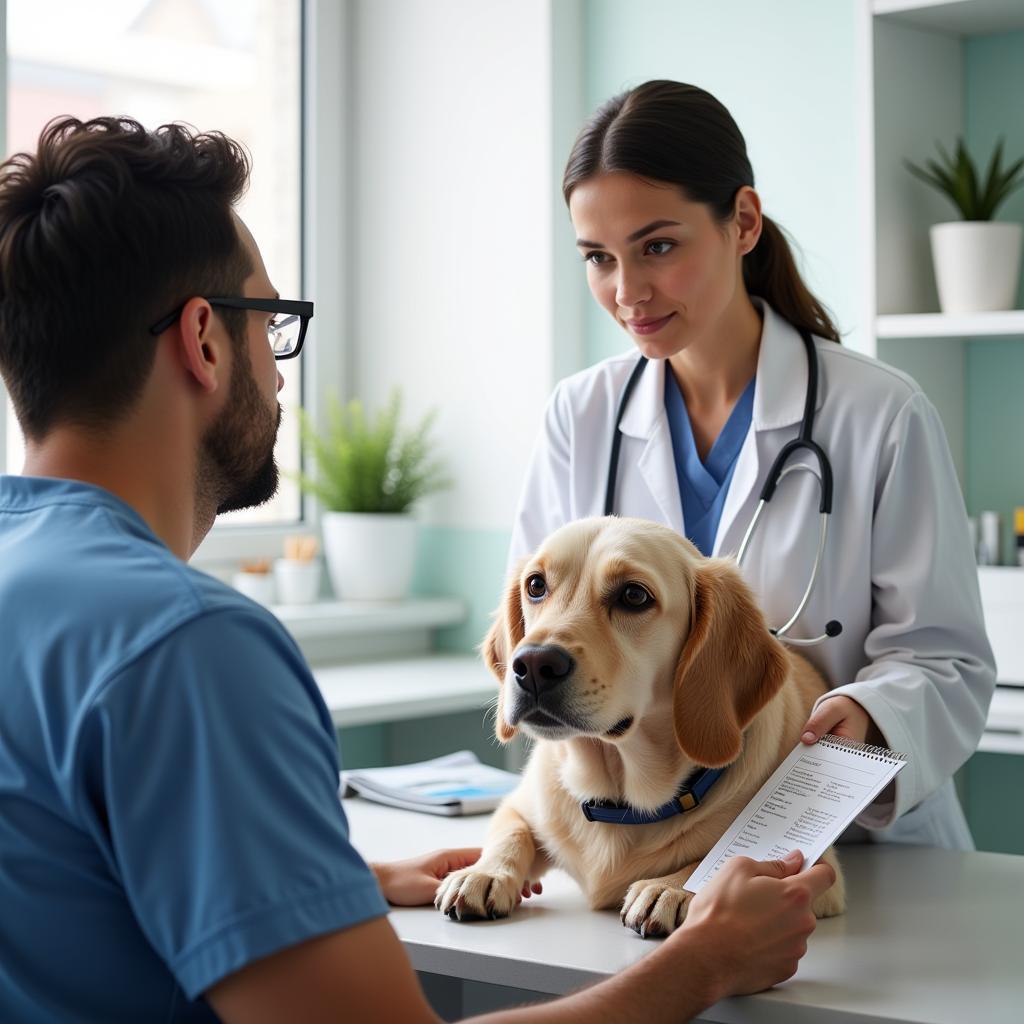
451, 562
464, 563
994, 99
990, 786
995, 429
787, 72
461, 563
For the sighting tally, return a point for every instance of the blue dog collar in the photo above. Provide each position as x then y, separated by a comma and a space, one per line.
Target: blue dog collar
690, 794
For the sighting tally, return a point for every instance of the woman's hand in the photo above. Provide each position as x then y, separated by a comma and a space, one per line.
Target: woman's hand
413, 882
841, 716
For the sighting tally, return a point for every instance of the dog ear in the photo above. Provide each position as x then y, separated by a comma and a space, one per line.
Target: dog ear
729, 668
504, 636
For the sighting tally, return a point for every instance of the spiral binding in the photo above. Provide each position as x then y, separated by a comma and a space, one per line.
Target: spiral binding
868, 749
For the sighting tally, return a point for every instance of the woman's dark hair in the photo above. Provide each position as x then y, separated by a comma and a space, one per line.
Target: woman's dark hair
670, 132
104, 230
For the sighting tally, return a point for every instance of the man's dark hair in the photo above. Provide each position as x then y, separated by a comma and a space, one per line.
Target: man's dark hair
104, 230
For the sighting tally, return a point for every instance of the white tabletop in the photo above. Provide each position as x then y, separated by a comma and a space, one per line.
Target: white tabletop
930, 935
390, 691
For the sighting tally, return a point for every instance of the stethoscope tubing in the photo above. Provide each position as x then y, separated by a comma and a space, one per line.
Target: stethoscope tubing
776, 474
613, 461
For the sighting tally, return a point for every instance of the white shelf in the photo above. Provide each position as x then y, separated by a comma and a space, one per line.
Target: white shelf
392, 691
951, 325
1002, 599
955, 17
1004, 729
357, 618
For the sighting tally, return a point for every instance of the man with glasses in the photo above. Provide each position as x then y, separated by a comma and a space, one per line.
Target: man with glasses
171, 842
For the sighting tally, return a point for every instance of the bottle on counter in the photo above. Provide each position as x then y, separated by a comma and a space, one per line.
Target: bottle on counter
989, 535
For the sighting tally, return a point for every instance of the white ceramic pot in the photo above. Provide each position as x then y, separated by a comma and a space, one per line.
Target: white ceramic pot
257, 585
977, 265
370, 557
297, 582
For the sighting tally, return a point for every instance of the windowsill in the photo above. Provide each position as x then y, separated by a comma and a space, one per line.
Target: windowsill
357, 618
400, 689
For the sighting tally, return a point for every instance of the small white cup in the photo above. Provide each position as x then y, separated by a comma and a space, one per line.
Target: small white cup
257, 585
298, 582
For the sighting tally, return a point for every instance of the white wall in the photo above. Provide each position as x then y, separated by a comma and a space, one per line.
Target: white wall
450, 288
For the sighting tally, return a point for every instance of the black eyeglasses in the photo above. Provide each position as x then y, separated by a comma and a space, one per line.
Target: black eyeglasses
286, 331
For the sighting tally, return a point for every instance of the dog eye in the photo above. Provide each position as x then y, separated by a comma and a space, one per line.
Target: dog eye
635, 598
536, 588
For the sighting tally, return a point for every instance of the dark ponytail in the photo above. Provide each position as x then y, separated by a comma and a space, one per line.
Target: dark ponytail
770, 271
670, 132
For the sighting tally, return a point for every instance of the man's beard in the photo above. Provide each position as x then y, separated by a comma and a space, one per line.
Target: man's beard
237, 465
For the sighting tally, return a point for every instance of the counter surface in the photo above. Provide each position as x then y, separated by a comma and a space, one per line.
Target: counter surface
930, 935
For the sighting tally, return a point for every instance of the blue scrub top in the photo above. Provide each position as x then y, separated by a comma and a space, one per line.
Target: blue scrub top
704, 485
168, 773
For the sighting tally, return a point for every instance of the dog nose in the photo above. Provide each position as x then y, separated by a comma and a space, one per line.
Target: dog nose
539, 668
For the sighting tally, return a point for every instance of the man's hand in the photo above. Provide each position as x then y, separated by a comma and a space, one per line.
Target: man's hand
841, 716
753, 921
413, 882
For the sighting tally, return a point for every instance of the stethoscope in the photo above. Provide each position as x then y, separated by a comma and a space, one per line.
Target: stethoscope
778, 472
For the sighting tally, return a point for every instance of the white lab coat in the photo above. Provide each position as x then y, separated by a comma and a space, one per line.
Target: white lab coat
898, 571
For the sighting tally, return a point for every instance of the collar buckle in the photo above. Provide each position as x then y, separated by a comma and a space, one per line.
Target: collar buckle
687, 800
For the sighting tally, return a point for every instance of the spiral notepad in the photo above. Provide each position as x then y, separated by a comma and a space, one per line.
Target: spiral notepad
806, 804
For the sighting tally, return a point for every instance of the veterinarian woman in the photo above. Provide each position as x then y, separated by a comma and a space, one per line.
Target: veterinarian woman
677, 250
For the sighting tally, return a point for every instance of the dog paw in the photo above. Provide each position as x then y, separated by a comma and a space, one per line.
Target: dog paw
653, 907
470, 893
833, 900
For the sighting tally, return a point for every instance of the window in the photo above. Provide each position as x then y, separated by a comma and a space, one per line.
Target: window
232, 65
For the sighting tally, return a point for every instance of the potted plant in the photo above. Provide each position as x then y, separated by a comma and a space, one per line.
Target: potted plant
368, 474
977, 261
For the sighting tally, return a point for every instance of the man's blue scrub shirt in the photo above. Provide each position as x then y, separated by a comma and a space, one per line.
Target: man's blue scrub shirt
168, 772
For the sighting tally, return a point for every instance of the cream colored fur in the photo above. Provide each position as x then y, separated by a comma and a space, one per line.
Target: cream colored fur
699, 680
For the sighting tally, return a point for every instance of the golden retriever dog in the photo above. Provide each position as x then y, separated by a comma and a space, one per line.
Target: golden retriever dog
632, 661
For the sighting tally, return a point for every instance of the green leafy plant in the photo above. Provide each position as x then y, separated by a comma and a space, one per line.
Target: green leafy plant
958, 178
369, 464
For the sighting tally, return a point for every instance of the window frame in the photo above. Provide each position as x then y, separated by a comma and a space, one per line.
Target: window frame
324, 114
324, 120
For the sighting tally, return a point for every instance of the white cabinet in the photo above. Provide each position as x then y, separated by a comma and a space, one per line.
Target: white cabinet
1002, 594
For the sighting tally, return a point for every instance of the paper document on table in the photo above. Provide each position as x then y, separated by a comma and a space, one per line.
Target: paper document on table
454, 784
806, 804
